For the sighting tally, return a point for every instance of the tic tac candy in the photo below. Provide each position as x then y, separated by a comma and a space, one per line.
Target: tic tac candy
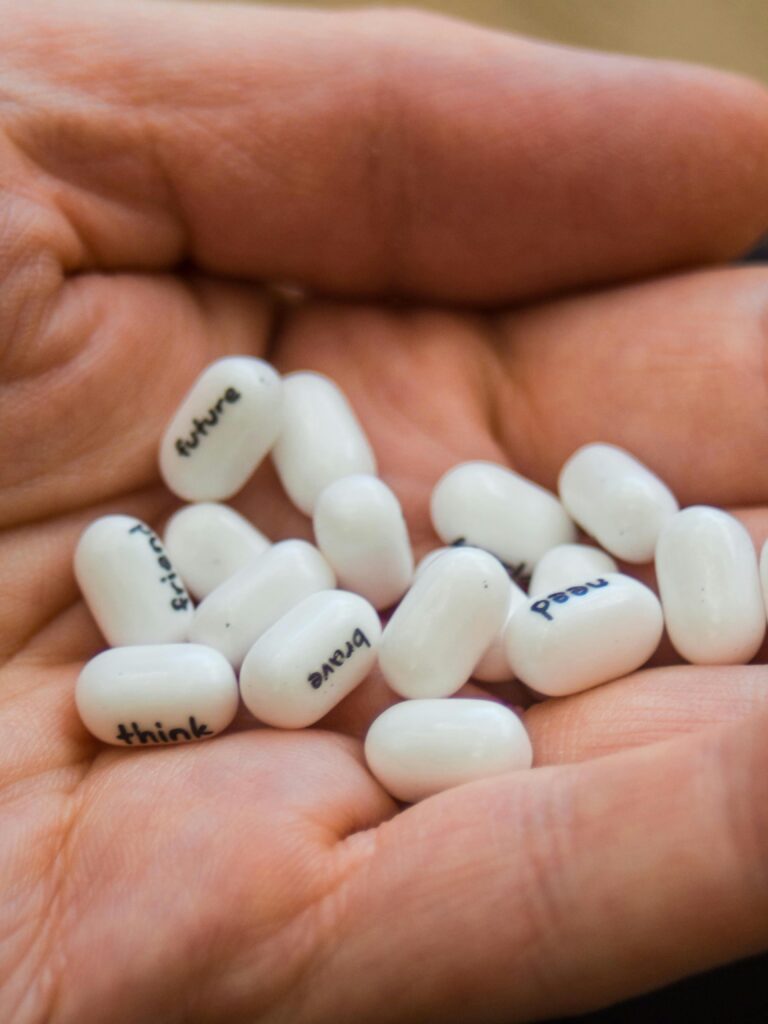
222, 430
310, 659
569, 563
360, 529
428, 559
209, 542
157, 695
708, 578
419, 747
584, 634
444, 624
234, 615
492, 507
494, 665
129, 583
617, 500
321, 439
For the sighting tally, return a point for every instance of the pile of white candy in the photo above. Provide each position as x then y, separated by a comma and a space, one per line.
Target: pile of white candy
271, 613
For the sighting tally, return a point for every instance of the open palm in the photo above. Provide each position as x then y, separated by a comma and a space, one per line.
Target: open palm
158, 165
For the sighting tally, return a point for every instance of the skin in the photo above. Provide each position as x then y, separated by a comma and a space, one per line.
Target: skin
554, 227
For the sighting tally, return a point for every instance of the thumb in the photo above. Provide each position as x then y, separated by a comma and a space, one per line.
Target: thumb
563, 889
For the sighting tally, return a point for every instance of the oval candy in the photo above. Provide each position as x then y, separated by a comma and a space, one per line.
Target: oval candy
444, 624
310, 659
584, 635
359, 527
617, 500
421, 747
494, 665
234, 615
321, 439
492, 507
567, 564
152, 696
209, 542
225, 425
707, 571
129, 583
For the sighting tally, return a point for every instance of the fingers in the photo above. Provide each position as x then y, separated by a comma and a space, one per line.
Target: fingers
644, 708
375, 152
559, 890
117, 354
673, 370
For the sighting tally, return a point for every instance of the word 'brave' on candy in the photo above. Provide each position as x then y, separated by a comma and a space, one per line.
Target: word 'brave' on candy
272, 613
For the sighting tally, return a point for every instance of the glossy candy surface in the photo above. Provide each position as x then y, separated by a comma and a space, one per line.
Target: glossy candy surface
708, 577
234, 616
444, 624
494, 665
569, 563
584, 635
321, 439
156, 695
494, 508
310, 659
209, 542
224, 427
617, 500
421, 747
360, 529
129, 583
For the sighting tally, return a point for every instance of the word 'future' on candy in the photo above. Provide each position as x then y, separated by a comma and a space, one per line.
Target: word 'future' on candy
272, 628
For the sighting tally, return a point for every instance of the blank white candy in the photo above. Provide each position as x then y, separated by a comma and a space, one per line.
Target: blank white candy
360, 529
499, 510
310, 659
569, 563
156, 695
444, 624
321, 439
222, 430
617, 500
706, 568
584, 635
428, 559
494, 665
129, 583
208, 543
421, 747
235, 615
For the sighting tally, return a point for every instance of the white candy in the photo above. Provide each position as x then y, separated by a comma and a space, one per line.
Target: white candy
222, 430
208, 543
584, 635
444, 624
420, 747
428, 559
321, 440
235, 615
709, 583
616, 500
569, 563
130, 585
360, 529
310, 659
156, 695
497, 509
494, 665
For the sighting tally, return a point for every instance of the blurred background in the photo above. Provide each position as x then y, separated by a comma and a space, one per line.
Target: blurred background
729, 34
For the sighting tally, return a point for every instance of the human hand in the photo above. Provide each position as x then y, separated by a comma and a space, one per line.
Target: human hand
158, 164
